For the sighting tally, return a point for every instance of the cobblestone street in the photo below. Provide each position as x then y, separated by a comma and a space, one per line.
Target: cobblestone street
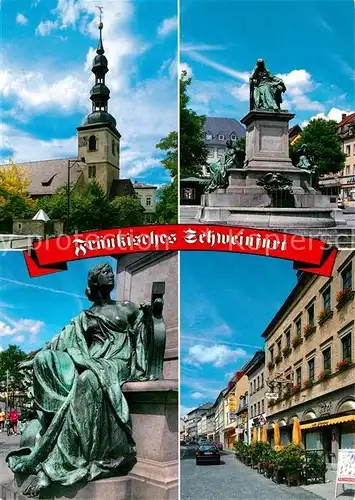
231, 481
7, 443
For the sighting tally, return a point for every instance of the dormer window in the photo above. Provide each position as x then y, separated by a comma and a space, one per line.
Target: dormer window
92, 143
233, 136
221, 137
209, 136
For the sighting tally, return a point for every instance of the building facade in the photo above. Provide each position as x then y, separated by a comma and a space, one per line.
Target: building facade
242, 397
147, 196
230, 417
343, 183
217, 132
257, 389
309, 360
193, 422
219, 417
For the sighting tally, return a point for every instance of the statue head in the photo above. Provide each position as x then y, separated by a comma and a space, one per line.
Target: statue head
101, 282
260, 63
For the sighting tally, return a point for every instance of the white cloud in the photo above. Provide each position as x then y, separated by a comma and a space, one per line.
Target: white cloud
46, 27
242, 93
17, 328
196, 395
167, 27
217, 355
21, 19
333, 114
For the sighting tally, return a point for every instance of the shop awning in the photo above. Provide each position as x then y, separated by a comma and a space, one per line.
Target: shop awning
329, 421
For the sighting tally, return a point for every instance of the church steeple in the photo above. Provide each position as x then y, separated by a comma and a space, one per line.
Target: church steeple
100, 93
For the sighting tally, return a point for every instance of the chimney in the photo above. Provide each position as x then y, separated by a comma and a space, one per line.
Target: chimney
343, 116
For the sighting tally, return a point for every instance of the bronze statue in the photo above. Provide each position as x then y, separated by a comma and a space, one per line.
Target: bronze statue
82, 427
265, 89
219, 170
304, 160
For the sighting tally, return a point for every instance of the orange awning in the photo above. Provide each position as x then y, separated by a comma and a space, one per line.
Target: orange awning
329, 421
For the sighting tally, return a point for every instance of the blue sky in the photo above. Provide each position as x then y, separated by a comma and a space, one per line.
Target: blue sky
308, 43
33, 310
226, 301
45, 78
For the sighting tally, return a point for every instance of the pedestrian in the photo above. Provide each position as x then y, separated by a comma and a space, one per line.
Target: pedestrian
2, 419
13, 418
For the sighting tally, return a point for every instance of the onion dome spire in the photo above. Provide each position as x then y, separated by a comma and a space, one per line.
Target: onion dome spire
100, 93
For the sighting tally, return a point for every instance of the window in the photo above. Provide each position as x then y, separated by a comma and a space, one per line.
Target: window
210, 152
347, 150
254, 385
251, 411
279, 346
255, 410
262, 380
113, 148
92, 143
327, 301
251, 388
148, 201
347, 170
259, 408
298, 376
288, 338
271, 351
327, 359
298, 325
209, 136
92, 171
347, 276
346, 346
220, 152
262, 406
233, 136
258, 383
221, 137
311, 369
310, 312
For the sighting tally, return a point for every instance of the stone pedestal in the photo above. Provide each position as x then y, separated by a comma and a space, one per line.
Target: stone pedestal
244, 203
154, 410
135, 274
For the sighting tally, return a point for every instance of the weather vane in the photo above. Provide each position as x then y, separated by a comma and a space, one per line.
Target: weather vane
100, 9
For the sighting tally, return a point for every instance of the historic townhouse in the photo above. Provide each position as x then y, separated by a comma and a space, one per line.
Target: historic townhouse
257, 388
309, 360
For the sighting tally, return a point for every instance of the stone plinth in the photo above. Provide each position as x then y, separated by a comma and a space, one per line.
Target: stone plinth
135, 274
267, 139
154, 410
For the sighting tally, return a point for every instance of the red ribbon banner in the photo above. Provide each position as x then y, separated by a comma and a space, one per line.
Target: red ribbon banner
50, 256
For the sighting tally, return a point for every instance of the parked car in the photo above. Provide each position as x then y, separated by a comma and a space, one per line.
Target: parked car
208, 453
341, 203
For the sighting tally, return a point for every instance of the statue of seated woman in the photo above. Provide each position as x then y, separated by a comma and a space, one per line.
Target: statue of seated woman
83, 429
265, 89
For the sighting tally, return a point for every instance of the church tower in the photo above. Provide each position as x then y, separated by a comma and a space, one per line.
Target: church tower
98, 138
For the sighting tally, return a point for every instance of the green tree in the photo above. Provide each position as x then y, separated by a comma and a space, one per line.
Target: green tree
91, 209
323, 146
167, 205
9, 367
193, 151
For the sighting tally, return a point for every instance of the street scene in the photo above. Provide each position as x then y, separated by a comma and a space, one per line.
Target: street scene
267, 378
275, 148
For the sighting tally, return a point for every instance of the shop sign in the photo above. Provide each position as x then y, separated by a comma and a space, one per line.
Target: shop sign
346, 468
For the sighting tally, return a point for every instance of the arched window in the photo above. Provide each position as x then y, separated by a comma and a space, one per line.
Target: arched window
347, 406
92, 143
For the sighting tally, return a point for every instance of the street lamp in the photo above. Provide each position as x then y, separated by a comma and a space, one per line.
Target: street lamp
71, 164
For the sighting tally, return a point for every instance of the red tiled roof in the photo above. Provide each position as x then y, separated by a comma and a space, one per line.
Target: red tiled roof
347, 119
